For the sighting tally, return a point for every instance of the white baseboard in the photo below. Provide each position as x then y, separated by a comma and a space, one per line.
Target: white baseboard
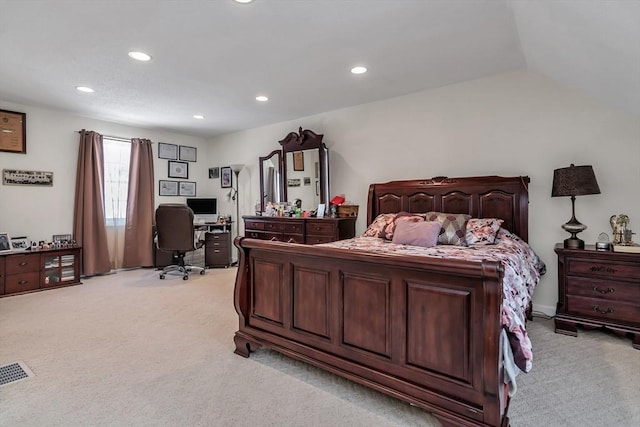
546, 309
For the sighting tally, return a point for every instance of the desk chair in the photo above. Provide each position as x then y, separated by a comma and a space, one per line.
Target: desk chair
174, 225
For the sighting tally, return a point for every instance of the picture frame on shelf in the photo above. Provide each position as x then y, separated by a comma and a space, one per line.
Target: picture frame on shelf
20, 244
187, 188
178, 169
5, 242
13, 132
167, 188
167, 151
226, 177
188, 154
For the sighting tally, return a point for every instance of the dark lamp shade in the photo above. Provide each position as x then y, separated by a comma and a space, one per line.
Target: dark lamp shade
574, 181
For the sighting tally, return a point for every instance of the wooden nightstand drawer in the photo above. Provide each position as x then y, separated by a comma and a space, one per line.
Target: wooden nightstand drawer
22, 282
23, 263
600, 268
603, 289
604, 310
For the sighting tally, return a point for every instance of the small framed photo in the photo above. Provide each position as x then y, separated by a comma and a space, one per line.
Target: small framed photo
187, 188
298, 161
167, 151
214, 173
321, 208
5, 243
32, 178
226, 177
21, 243
60, 237
178, 170
188, 154
168, 188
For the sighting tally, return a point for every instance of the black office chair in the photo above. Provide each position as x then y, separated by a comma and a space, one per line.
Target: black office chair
176, 234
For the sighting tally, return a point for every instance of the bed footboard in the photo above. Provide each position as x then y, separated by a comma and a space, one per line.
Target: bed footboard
426, 331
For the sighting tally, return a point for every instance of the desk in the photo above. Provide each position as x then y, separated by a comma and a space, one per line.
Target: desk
217, 246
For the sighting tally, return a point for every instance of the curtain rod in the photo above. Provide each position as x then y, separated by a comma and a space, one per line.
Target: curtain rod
116, 138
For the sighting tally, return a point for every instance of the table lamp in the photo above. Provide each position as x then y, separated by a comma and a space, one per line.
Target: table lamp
574, 181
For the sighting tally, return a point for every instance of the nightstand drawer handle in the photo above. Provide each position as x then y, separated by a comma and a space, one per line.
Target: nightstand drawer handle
605, 291
596, 308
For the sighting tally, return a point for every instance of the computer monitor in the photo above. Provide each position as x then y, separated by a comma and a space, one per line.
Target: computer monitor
204, 208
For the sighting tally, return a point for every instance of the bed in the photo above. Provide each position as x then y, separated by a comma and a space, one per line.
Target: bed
427, 330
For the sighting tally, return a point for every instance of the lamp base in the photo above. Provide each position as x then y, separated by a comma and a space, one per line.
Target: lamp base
573, 243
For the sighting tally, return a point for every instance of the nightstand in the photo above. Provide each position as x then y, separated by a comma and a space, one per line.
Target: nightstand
598, 289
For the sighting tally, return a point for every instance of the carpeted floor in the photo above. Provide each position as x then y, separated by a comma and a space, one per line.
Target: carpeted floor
130, 349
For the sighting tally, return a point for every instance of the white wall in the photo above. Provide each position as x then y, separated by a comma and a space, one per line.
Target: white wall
52, 145
513, 124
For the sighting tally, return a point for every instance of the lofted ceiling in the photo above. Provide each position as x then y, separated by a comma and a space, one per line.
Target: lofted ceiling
213, 57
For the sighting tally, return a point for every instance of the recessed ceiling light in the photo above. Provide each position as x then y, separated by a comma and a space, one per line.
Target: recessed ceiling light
244, 1
140, 56
85, 89
359, 70
262, 98
198, 116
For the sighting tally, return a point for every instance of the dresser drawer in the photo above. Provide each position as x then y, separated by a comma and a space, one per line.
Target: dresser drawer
598, 268
603, 289
254, 225
315, 240
22, 282
321, 227
254, 234
274, 226
613, 311
23, 264
293, 238
213, 240
293, 227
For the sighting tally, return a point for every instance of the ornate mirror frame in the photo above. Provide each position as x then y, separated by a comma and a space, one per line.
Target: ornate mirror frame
307, 140
278, 182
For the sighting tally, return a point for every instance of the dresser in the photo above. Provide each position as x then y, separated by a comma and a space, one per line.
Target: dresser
308, 231
598, 289
22, 272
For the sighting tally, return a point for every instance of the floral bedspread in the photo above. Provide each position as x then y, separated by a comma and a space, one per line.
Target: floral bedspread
522, 271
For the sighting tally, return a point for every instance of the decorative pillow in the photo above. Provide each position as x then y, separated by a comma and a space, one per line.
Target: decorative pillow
422, 233
454, 227
376, 228
482, 231
387, 233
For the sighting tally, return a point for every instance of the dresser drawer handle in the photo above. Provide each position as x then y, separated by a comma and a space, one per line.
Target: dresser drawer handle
274, 239
317, 228
604, 291
291, 240
23, 282
609, 310
22, 264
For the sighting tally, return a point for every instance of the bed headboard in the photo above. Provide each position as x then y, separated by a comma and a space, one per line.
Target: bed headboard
481, 197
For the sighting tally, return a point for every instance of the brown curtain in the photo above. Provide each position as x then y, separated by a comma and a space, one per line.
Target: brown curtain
138, 235
88, 218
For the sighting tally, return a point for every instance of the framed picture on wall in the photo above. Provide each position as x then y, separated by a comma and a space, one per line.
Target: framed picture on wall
214, 173
178, 170
13, 132
167, 151
168, 188
298, 161
188, 154
225, 177
187, 188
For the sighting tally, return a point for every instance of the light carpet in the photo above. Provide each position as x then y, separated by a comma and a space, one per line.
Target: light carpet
130, 349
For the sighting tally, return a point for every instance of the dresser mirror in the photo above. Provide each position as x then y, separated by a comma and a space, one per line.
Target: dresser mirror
271, 179
306, 169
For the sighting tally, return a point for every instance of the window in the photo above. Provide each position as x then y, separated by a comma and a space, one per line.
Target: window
116, 180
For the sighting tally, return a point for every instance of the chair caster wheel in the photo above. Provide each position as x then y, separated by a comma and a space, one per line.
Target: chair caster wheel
162, 276
202, 272
185, 277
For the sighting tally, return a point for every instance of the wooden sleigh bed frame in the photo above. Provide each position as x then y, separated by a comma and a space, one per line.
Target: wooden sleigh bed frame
423, 330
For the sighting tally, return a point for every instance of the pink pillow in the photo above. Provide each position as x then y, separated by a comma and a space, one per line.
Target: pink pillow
423, 233
482, 231
389, 229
